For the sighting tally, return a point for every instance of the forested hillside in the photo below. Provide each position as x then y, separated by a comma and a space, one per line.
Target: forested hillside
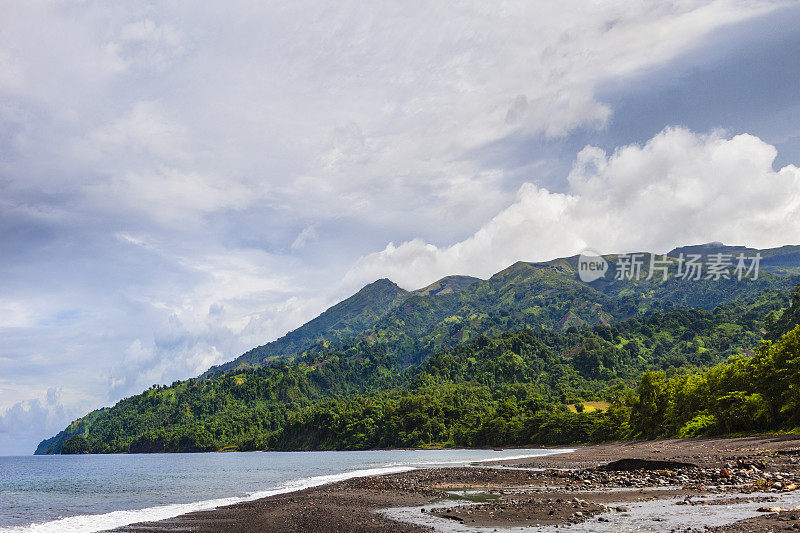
413, 325
513, 388
342, 321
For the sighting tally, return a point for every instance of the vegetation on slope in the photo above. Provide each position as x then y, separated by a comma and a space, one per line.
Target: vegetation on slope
414, 325
512, 389
342, 321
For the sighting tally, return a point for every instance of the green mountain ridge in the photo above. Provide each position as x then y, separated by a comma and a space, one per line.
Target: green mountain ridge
382, 337
343, 320
548, 294
447, 285
289, 406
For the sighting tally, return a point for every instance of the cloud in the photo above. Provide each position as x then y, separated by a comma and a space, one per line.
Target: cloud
25, 423
217, 109
148, 44
679, 187
237, 303
309, 233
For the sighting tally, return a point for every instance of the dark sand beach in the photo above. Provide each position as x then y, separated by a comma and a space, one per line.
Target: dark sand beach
585, 486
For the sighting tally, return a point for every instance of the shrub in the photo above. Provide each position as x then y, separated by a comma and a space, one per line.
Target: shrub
700, 425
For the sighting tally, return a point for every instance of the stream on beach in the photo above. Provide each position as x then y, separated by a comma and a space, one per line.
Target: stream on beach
655, 516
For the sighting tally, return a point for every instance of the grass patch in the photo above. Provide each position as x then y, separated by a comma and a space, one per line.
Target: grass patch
590, 407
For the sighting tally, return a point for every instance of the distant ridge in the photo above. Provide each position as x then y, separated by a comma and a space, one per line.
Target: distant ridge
447, 285
534, 323
344, 320
547, 294
348, 317
709, 248
779, 260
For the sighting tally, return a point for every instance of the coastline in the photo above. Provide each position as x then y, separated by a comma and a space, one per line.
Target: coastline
249, 477
726, 481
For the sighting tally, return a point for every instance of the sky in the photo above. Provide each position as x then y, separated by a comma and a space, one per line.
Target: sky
181, 182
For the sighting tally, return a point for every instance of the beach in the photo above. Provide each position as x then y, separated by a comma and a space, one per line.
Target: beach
720, 479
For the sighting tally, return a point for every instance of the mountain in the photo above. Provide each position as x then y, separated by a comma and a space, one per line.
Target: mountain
709, 248
344, 320
80, 426
414, 324
361, 397
383, 336
777, 260
549, 295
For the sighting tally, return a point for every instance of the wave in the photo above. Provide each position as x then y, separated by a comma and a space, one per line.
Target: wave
528, 456
539, 453
114, 519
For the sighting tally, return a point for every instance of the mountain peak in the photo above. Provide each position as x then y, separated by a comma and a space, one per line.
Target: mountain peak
383, 282
513, 270
352, 315
707, 248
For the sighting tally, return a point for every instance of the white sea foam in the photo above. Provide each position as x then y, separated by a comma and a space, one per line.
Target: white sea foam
540, 453
527, 456
101, 522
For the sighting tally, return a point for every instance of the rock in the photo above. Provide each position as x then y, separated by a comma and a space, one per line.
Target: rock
624, 465
790, 487
772, 509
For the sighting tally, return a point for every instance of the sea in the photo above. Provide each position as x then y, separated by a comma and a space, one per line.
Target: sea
84, 493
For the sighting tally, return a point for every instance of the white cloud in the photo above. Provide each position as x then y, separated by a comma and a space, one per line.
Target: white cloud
148, 44
146, 129
309, 233
236, 303
23, 424
678, 188
16, 314
346, 111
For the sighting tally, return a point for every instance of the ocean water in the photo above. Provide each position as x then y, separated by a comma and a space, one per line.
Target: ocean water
66, 493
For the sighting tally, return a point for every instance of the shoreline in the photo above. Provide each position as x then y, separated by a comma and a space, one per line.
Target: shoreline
718, 476
421, 449
364, 466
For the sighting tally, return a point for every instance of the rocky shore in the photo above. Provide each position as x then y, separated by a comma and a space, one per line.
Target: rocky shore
726, 485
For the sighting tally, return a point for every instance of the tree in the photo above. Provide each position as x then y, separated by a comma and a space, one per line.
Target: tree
647, 418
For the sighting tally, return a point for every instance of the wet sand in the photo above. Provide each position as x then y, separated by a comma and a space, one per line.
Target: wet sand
545, 491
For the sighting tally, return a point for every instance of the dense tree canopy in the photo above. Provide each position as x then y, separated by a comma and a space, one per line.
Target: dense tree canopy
650, 376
